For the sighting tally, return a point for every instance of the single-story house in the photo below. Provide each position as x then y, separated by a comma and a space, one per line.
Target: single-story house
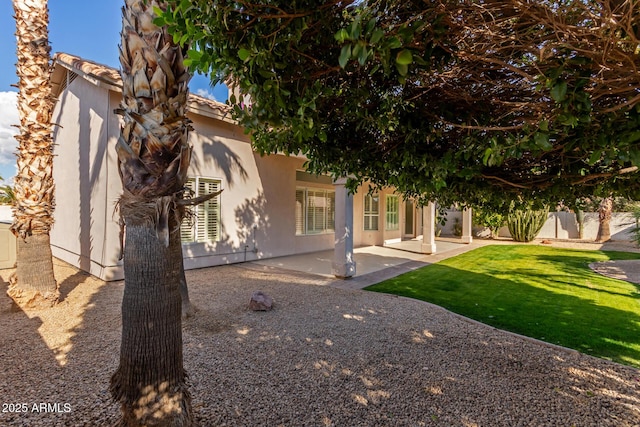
270, 205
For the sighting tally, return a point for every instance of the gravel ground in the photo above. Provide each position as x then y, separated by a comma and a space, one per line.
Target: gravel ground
322, 357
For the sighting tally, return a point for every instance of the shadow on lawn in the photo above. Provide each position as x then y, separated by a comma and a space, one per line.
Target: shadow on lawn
579, 268
556, 316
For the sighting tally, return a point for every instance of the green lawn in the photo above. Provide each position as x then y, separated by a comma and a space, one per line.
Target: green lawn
539, 291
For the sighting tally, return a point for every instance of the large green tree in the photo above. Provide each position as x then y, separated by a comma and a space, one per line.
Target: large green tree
477, 102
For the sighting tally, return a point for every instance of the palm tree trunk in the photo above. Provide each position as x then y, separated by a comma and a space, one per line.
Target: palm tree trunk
150, 379
153, 158
188, 309
605, 211
34, 283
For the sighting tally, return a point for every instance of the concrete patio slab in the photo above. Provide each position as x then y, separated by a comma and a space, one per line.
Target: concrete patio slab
369, 259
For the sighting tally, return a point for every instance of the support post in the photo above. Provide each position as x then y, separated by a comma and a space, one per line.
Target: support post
344, 265
429, 229
467, 225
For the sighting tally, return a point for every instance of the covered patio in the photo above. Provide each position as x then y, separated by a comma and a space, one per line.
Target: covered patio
369, 259
344, 262
415, 245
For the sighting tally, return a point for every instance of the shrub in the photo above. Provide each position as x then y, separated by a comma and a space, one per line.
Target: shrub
635, 211
490, 219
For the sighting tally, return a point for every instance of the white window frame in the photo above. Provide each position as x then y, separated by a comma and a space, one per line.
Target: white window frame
392, 212
197, 227
320, 221
371, 212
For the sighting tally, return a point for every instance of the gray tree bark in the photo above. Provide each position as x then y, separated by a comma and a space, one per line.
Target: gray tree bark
605, 210
150, 378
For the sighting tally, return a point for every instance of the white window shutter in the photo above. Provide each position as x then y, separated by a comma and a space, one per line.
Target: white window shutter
205, 223
300, 208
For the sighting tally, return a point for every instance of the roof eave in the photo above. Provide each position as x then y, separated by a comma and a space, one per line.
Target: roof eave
196, 104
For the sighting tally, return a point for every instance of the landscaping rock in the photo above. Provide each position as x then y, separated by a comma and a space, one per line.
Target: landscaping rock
260, 302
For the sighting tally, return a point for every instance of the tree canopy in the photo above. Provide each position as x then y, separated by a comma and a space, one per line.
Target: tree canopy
473, 101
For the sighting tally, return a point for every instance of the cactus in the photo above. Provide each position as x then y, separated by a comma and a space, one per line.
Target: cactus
580, 220
524, 225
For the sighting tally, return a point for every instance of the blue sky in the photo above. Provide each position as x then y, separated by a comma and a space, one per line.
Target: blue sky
90, 29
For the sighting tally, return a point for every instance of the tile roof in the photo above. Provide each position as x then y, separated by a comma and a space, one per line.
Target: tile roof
111, 77
99, 71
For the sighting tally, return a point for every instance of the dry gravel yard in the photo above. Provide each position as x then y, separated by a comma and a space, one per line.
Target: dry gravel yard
322, 357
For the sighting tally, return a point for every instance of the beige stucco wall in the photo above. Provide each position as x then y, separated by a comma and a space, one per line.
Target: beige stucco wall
85, 232
258, 201
8, 245
257, 204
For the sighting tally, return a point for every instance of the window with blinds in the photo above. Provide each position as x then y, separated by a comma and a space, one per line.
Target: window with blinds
204, 225
392, 213
315, 211
371, 211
